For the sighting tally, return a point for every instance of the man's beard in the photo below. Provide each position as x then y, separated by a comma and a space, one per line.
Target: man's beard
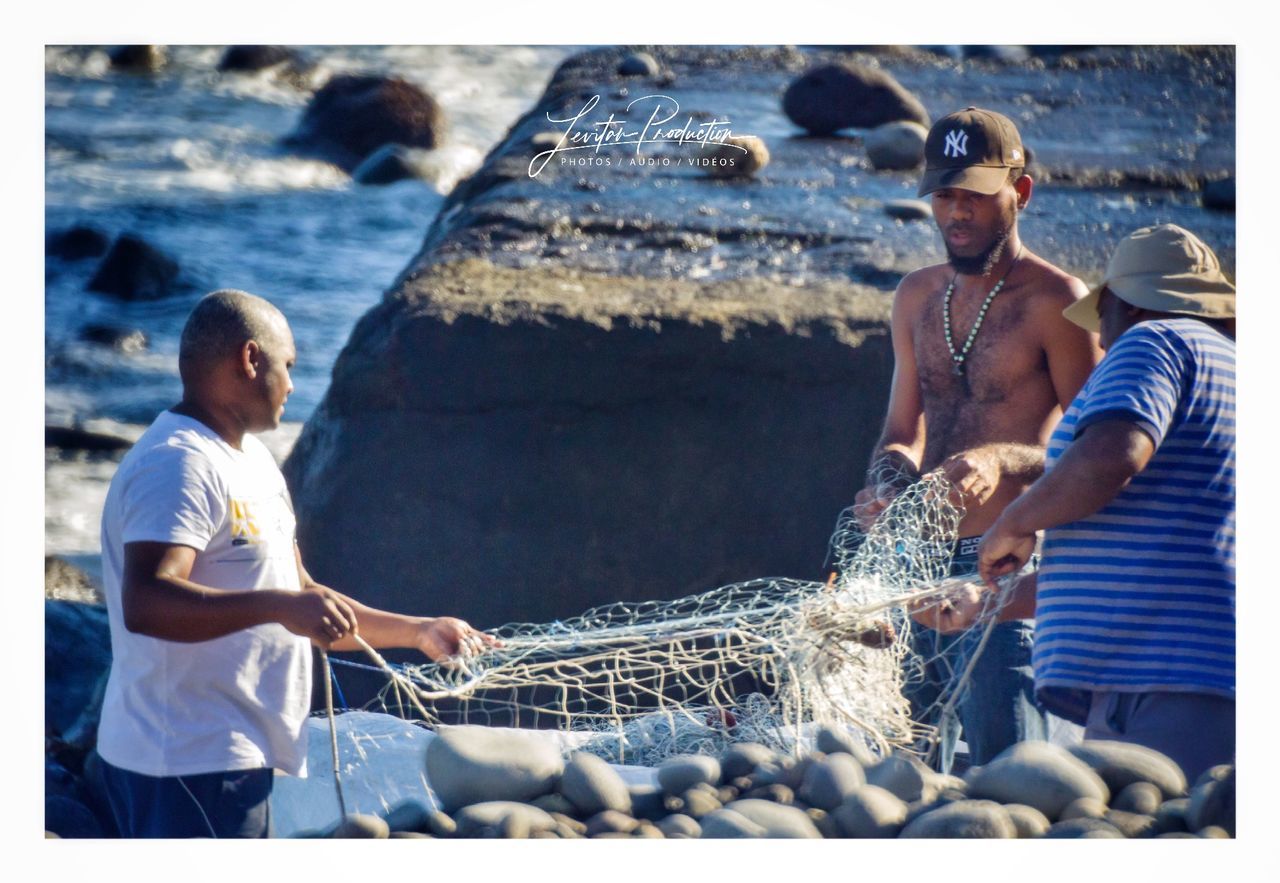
979, 264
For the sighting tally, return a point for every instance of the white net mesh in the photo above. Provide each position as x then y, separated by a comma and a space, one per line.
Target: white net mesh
756, 661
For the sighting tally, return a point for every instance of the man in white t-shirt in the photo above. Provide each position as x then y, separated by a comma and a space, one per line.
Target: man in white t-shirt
212, 612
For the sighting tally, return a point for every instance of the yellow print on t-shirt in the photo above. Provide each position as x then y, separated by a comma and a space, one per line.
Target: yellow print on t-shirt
244, 528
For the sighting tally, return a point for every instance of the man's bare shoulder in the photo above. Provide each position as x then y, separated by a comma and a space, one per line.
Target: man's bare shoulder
920, 283
1049, 287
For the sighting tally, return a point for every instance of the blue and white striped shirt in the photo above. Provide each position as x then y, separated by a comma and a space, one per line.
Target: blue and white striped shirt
1141, 595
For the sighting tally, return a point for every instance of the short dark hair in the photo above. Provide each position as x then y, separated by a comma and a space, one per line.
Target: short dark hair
220, 324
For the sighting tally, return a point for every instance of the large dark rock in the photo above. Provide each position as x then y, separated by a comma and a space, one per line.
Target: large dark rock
77, 652
63, 581
351, 116
256, 58
75, 243
848, 95
138, 58
520, 445
136, 270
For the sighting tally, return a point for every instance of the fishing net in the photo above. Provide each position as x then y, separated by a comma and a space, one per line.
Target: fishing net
765, 660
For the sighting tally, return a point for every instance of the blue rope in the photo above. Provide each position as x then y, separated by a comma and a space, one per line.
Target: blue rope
333, 676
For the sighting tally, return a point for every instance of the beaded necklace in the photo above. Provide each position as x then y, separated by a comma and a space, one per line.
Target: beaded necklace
957, 358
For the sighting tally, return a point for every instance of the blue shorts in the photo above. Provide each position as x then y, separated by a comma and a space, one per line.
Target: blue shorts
219, 805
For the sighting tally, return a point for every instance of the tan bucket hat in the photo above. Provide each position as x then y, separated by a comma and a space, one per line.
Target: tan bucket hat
1163, 268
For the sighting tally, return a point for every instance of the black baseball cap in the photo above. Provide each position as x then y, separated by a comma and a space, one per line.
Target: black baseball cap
971, 149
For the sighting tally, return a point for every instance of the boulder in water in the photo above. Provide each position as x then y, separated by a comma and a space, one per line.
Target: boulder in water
135, 270
847, 95
639, 64
391, 163
897, 145
740, 156
352, 115
76, 243
138, 58
248, 58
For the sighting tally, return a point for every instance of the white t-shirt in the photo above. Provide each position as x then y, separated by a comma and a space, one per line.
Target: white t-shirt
236, 702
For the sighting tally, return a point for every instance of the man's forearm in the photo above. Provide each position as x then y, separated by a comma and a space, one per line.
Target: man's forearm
1022, 462
173, 609
892, 466
381, 629
1022, 601
1089, 475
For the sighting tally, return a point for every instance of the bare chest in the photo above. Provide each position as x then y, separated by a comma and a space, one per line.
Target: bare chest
1001, 354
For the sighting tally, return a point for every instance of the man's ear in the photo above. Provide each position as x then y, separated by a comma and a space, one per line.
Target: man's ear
251, 359
1023, 187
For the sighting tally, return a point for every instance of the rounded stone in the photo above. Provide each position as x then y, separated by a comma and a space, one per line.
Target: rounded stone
408, 815
75, 243
513, 820
871, 811
680, 825
1120, 764
1028, 821
778, 821
554, 803
361, 826
829, 781
133, 269
1038, 774
639, 64
138, 58
391, 163
610, 821
776, 793
250, 58
897, 145
740, 156
1171, 816
441, 824
1213, 832
908, 209
963, 819
905, 777
1213, 802
647, 801
592, 786
743, 758
727, 824
840, 96
1131, 824
1083, 808
1083, 829
471, 764
679, 774
353, 115
832, 739
1139, 797
698, 803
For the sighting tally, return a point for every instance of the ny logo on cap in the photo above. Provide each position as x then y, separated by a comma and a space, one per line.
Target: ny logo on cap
957, 143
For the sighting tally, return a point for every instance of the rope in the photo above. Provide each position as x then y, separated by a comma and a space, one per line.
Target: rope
333, 731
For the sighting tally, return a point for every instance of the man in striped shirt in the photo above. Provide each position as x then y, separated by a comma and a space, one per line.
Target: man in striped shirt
1134, 601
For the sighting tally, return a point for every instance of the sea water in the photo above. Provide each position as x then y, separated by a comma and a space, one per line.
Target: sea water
190, 159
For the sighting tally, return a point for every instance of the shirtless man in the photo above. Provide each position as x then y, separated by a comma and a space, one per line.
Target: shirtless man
984, 366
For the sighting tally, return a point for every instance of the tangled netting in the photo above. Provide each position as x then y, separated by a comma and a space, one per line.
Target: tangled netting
764, 660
